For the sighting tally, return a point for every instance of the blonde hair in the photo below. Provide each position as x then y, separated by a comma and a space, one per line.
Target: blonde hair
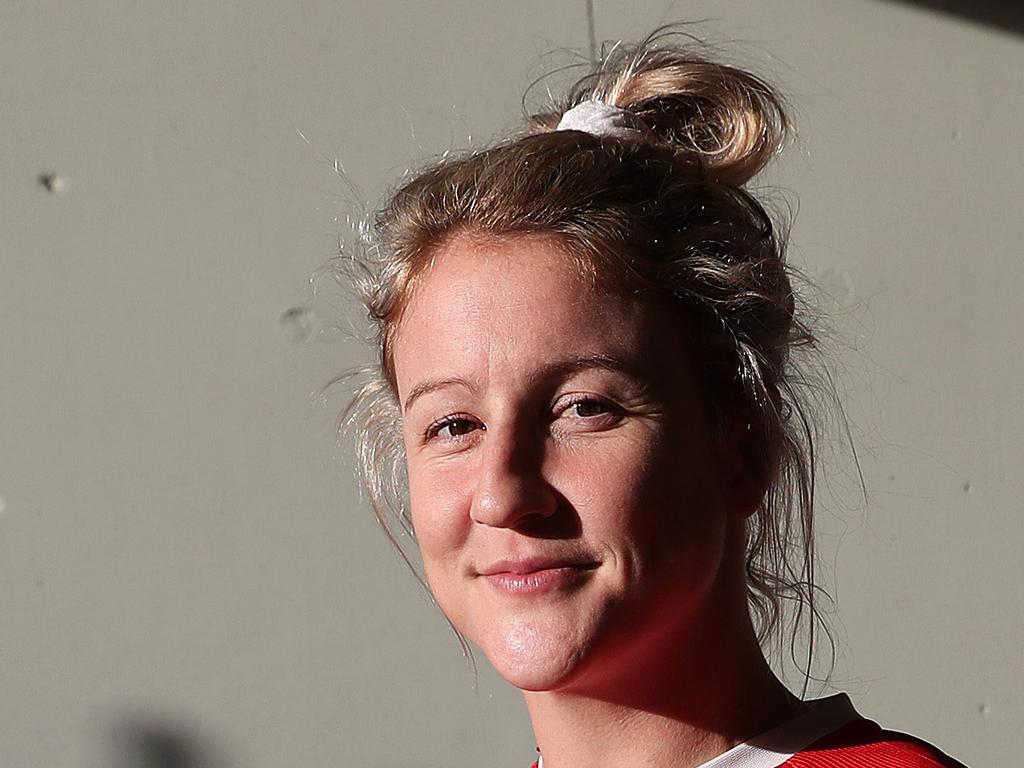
666, 215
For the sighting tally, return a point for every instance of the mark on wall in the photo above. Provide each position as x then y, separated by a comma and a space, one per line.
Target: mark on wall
298, 322
53, 183
161, 744
838, 285
993, 13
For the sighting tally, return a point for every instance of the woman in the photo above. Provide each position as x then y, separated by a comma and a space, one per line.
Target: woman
586, 337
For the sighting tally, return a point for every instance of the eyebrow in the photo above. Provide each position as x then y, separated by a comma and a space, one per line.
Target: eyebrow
562, 368
431, 385
558, 369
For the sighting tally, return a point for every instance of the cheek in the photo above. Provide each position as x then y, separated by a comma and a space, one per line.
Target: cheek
607, 484
649, 501
439, 499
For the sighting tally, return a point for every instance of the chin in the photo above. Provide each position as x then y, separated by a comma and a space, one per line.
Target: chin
536, 672
536, 655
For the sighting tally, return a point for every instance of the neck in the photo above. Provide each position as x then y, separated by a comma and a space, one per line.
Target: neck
707, 692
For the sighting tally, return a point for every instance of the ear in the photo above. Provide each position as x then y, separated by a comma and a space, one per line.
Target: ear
747, 462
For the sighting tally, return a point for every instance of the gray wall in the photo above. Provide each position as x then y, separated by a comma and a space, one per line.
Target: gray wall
187, 574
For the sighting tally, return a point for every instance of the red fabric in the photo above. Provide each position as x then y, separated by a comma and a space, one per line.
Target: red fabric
863, 744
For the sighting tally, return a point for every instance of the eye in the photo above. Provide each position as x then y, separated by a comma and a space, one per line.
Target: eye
588, 412
588, 408
452, 427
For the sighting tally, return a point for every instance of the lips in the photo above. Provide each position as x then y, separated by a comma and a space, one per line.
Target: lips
537, 575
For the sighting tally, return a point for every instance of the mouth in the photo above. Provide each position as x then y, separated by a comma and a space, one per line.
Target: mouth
537, 575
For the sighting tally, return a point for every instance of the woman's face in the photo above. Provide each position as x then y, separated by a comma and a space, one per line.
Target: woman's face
563, 481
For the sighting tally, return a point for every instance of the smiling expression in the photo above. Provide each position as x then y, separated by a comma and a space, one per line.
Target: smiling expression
564, 486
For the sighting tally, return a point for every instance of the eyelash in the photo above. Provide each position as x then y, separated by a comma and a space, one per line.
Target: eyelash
606, 407
434, 430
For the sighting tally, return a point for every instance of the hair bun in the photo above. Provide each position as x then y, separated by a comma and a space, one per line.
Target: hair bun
731, 119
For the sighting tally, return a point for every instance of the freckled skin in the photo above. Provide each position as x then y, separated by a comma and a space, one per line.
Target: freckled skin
513, 452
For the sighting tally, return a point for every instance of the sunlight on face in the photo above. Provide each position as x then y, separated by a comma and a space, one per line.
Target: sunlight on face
563, 484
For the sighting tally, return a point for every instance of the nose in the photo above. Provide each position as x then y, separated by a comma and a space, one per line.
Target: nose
511, 489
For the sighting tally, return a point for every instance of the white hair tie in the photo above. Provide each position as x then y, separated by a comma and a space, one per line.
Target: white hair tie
600, 119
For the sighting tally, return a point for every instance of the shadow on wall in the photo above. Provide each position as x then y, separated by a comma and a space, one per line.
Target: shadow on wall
1007, 15
155, 744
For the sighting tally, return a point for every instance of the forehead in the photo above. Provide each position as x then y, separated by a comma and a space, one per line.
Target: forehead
526, 278
522, 300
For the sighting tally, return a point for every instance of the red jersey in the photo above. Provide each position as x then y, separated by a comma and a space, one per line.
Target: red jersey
830, 734
863, 744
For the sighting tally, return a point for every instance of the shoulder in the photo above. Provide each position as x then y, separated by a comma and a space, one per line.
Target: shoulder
863, 744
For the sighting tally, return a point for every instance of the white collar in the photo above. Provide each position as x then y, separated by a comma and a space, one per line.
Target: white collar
773, 748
